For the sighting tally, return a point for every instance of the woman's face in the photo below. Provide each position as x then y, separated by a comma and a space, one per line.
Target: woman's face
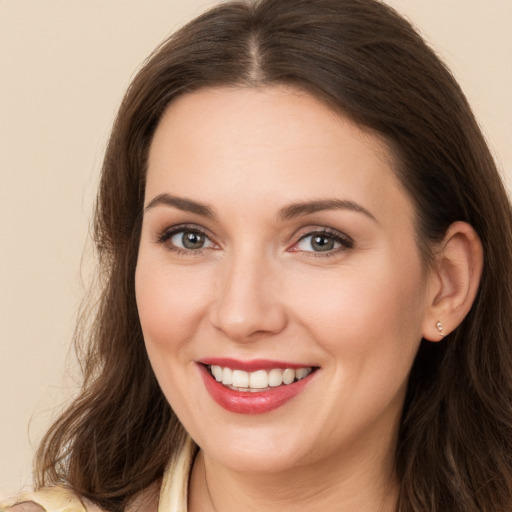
277, 245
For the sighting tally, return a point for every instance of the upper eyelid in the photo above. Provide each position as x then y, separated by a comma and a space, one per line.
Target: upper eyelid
346, 242
325, 231
183, 227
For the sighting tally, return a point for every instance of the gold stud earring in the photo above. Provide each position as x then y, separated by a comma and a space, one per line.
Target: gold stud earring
439, 326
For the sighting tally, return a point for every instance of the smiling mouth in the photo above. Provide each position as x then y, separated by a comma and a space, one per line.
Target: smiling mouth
257, 381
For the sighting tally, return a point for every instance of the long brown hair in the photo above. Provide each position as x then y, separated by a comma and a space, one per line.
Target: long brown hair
455, 439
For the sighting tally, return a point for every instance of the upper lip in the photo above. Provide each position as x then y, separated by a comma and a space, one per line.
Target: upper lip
252, 364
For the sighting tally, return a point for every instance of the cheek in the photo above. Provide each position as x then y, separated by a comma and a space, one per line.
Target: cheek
170, 304
375, 309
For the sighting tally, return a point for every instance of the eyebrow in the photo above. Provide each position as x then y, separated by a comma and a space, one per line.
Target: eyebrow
181, 203
308, 207
287, 213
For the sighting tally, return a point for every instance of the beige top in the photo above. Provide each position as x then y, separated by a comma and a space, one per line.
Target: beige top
173, 492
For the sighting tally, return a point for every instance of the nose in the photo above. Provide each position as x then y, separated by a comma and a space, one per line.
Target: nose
248, 302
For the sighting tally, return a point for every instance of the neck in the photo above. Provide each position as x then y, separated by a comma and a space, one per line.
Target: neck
360, 482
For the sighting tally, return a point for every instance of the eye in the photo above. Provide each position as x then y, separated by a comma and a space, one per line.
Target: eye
189, 240
324, 241
185, 239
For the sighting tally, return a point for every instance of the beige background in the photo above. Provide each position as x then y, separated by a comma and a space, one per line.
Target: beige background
64, 65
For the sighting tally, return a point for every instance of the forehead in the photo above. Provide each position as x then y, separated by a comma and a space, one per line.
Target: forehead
274, 142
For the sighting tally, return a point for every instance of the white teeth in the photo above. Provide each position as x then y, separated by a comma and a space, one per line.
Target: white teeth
304, 372
240, 379
227, 376
260, 379
288, 376
217, 373
300, 373
275, 377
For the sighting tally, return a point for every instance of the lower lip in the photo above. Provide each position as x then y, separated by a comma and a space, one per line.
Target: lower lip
248, 402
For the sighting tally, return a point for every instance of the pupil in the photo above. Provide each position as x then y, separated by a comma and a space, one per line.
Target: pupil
322, 243
192, 240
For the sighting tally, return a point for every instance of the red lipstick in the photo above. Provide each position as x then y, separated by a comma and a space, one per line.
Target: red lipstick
248, 402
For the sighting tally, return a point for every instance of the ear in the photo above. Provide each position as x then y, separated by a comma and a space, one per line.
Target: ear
453, 282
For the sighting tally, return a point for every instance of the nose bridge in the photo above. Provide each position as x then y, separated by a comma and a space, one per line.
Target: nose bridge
247, 302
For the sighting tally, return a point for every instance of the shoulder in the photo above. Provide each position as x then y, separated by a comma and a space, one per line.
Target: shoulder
62, 499
48, 499
28, 506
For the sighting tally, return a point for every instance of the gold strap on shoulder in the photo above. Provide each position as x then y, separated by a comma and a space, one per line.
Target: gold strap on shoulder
51, 499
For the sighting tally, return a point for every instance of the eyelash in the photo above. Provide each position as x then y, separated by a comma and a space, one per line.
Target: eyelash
168, 233
346, 243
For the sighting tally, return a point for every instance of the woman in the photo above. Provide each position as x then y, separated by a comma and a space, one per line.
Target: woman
305, 248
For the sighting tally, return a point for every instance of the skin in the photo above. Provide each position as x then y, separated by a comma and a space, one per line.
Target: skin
258, 289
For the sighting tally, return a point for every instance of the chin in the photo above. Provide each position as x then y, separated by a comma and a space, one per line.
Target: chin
256, 450
260, 461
